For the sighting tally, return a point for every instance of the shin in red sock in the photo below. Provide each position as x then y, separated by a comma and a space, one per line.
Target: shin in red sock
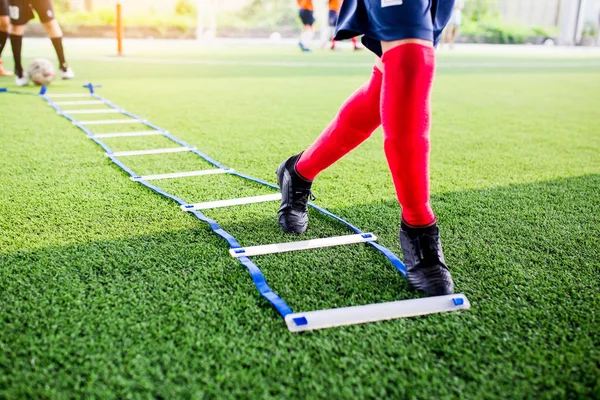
405, 115
356, 120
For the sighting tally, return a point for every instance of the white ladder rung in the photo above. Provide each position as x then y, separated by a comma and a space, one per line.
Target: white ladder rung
109, 122
73, 112
180, 174
302, 245
311, 320
79, 103
151, 151
63, 95
126, 134
231, 202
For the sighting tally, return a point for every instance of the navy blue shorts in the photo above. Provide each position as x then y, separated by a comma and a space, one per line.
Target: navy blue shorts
387, 20
306, 16
333, 17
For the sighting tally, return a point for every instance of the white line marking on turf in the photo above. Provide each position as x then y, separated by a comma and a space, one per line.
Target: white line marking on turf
302, 245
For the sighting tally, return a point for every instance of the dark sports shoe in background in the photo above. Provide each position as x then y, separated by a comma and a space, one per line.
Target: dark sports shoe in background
426, 269
303, 47
295, 192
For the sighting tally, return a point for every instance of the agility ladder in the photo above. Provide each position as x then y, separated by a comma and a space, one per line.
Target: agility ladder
296, 321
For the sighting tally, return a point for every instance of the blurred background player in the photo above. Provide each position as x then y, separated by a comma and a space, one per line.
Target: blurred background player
454, 23
306, 14
402, 34
21, 11
334, 9
4, 25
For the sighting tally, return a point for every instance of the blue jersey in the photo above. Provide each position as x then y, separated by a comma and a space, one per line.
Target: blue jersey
387, 20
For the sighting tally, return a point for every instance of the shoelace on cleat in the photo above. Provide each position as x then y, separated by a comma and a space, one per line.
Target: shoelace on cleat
300, 202
427, 250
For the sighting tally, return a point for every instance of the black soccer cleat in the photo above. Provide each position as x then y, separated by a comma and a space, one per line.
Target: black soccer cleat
426, 269
295, 192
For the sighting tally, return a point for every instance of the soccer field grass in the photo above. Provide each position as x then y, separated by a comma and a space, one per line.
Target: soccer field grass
109, 290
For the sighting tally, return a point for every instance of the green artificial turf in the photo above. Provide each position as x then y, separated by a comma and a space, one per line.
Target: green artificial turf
108, 290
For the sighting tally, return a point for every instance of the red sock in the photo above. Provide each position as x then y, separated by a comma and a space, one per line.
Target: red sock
405, 115
358, 117
354, 42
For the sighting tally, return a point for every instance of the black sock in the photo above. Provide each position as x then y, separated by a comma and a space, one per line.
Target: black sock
57, 43
298, 179
414, 231
16, 42
3, 37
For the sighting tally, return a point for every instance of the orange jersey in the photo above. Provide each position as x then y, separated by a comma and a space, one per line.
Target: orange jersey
305, 5
334, 5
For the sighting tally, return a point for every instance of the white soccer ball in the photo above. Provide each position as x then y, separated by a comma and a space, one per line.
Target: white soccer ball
275, 36
41, 71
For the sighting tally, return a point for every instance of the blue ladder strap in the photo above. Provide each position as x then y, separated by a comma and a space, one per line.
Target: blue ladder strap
264, 289
249, 178
396, 262
257, 276
11, 91
216, 228
98, 141
124, 167
203, 156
